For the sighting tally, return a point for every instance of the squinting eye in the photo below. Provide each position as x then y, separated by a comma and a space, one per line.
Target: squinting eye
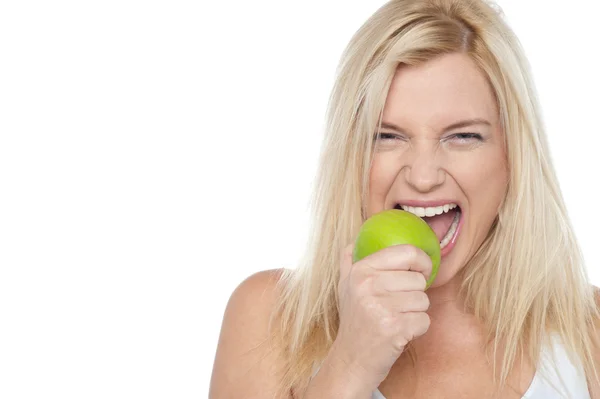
386, 137
465, 137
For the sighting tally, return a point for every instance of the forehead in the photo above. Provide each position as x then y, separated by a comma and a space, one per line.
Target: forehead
439, 92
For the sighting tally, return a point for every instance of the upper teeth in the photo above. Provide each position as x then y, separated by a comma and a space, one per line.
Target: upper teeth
429, 211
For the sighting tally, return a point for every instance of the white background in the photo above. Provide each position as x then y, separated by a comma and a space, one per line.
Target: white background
154, 154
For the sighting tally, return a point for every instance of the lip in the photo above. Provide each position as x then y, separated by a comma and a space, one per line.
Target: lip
446, 250
434, 203
425, 204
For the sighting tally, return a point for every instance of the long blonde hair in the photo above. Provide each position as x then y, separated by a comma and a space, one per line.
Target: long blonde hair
526, 280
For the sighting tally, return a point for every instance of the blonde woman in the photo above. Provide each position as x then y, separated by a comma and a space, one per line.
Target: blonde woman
433, 111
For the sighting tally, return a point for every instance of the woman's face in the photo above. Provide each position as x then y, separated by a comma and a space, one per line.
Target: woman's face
441, 145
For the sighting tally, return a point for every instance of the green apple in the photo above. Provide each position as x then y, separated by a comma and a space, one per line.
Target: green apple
395, 227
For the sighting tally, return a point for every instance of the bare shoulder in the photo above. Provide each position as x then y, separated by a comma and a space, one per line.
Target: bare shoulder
256, 294
245, 363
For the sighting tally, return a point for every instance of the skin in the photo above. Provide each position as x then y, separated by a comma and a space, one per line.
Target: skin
421, 160
425, 161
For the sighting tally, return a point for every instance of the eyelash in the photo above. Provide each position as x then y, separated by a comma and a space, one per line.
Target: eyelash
469, 136
386, 136
462, 137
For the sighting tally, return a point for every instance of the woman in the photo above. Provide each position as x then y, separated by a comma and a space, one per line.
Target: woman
433, 111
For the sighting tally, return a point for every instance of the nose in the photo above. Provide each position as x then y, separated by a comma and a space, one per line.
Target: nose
423, 171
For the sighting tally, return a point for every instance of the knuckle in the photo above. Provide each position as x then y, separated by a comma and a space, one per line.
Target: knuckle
388, 325
416, 256
413, 319
411, 326
400, 343
417, 301
421, 322
369, 263
367, 303
421, 281
426, 320
428, 262
411, 252
362, 283
422, 299
355, 276
386, 322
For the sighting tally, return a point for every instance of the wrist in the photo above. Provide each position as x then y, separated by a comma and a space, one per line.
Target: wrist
342, 378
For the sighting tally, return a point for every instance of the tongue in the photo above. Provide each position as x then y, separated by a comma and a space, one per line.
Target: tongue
441, 223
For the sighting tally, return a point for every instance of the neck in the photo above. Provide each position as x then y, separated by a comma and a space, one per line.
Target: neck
450, 321
445, 298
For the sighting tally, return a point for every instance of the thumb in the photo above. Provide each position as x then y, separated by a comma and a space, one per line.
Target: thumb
346, 260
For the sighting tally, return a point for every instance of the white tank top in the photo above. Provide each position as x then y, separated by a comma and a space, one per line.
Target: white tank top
564, 380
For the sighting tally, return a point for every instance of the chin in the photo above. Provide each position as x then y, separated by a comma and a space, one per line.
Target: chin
450, 267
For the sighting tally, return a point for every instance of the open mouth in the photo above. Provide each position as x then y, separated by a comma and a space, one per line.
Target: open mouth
444, 220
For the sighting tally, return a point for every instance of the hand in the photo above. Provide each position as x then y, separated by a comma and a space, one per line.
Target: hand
382, 308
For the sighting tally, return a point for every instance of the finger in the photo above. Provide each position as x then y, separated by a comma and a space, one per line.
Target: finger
346, 261
405, 302
388, 281
415, 324
399, 257
410, 326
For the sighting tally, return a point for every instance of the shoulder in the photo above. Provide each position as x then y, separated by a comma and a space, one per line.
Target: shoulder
251, 303
244, 361
261, 284
253, 299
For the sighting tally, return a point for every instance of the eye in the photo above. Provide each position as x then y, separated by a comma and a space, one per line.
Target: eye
387, 137
465, 137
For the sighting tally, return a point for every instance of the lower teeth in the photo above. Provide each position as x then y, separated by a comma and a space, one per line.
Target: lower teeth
446, 240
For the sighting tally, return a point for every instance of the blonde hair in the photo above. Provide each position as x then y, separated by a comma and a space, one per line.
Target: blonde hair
526, 280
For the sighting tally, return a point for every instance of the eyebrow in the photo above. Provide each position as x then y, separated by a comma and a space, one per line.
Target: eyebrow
457, 125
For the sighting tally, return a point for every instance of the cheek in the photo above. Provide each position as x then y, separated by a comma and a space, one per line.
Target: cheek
381, 178
485, 183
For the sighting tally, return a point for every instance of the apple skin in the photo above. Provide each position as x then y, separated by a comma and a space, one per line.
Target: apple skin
396, 227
